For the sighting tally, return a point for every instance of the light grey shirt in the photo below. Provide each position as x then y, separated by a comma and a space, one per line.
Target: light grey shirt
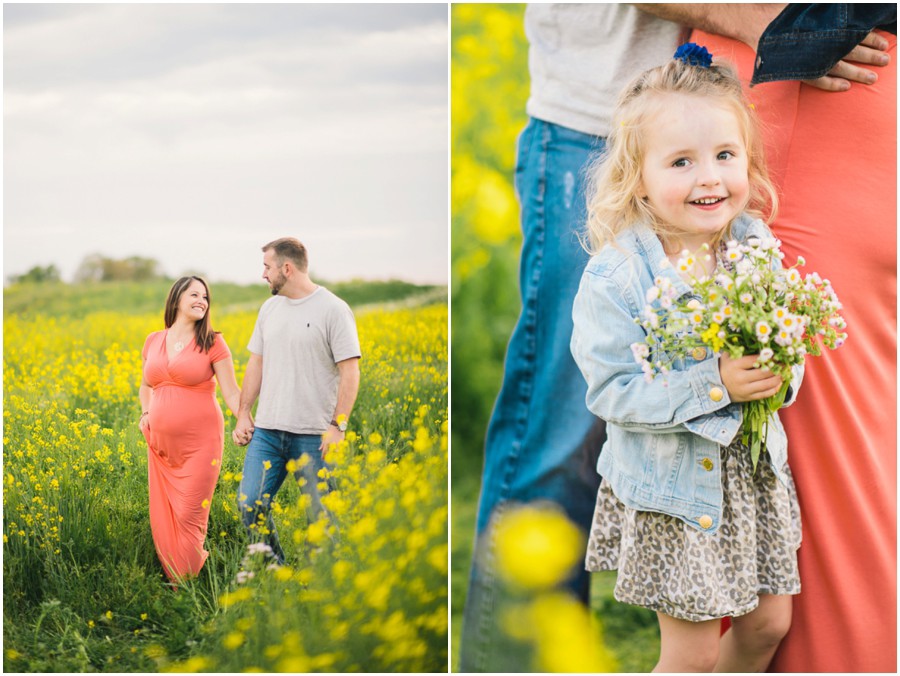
581, 56
301, 340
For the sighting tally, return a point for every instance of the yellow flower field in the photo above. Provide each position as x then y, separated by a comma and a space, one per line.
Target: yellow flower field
83, 590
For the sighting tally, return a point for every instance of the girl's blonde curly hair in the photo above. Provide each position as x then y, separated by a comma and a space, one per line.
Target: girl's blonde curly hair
614, 177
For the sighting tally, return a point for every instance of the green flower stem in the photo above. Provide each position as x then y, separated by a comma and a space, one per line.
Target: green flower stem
756, 421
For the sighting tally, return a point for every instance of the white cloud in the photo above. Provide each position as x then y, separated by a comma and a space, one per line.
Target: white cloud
130, 125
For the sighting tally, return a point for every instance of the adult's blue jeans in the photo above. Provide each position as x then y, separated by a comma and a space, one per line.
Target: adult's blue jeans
542, 442
265, 469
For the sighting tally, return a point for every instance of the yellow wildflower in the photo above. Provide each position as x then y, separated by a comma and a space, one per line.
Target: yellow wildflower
537, 546
711, 337
233, 640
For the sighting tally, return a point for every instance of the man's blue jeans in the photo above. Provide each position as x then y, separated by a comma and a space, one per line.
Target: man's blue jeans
542, 442
260, 482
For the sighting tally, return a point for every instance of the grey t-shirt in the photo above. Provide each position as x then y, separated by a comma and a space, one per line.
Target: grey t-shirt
301, 342
580, 57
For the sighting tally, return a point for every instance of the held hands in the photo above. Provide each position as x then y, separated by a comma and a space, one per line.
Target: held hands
745, 383
243, 431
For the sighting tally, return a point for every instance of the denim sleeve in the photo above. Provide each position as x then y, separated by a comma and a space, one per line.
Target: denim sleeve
604, 329
796, 379
806, 40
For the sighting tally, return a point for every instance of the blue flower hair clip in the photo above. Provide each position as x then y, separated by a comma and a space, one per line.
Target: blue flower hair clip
694, 55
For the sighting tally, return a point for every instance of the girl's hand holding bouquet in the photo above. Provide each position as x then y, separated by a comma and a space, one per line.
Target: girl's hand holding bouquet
762, 320
744, 381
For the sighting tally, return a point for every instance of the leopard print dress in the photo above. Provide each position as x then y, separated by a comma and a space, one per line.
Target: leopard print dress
668, 566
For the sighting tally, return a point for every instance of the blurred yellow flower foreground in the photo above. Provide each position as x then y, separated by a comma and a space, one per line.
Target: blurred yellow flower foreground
537, 549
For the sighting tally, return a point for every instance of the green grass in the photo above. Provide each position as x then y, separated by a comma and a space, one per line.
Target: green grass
138, 298
464, 506
632, 633
55, 616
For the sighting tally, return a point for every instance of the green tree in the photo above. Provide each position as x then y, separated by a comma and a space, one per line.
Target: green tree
99, 268
37, 275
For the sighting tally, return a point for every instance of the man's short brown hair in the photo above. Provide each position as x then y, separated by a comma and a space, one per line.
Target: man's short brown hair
291, 249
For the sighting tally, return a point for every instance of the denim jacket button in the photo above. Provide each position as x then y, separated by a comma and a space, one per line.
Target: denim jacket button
716, 394
705, 522
699, 353
707, 464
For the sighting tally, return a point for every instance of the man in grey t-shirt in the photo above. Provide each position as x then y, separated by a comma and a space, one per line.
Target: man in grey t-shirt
304, 368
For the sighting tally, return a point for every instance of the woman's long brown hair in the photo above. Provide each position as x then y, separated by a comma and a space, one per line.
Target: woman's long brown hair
204, 336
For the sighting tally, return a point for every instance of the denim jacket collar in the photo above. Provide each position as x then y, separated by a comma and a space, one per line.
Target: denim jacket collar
648, 246
651, 250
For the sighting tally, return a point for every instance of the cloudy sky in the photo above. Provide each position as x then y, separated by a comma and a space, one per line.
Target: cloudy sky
194, 134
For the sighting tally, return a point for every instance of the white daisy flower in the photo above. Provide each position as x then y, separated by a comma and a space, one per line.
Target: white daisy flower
783, 338
789, 323
733, 255
640, 351
763, 331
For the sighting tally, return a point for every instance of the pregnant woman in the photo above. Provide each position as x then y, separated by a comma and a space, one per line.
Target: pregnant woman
834, 158
183, 424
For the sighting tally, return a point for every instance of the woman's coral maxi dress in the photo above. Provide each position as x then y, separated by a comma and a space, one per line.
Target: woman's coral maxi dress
834, 159
185, 437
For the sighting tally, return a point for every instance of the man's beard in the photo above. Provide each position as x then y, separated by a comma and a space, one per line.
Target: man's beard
277, 284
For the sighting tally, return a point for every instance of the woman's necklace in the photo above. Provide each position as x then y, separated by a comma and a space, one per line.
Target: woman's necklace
178, 346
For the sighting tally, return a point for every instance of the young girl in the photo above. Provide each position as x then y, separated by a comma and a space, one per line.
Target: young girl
695, 535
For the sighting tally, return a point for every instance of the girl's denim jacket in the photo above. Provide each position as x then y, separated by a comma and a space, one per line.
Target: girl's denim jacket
663, 437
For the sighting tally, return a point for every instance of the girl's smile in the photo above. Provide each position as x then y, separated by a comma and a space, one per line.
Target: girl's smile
708, 203
694, 171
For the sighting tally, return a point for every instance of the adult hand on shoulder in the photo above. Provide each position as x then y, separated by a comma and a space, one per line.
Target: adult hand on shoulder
870, 52
745, 383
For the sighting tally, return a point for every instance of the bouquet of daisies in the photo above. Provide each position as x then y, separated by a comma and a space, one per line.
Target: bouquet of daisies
750, 305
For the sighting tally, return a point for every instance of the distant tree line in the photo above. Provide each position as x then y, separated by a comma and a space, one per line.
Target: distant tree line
98, 268
39, 274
